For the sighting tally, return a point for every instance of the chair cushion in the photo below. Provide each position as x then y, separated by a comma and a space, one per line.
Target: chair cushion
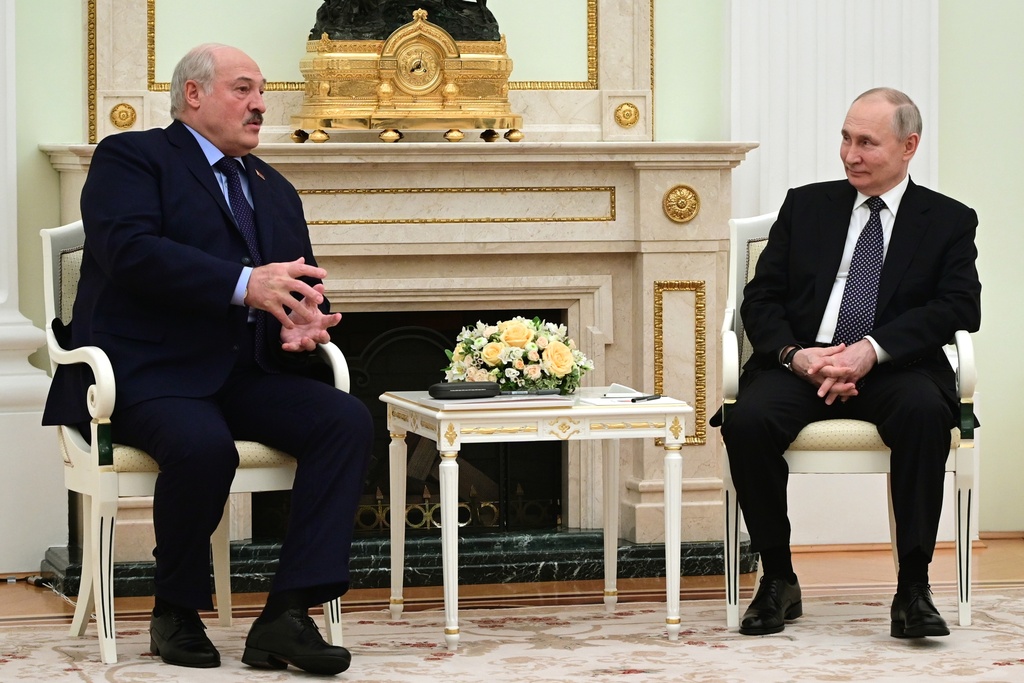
846, 435
250, 454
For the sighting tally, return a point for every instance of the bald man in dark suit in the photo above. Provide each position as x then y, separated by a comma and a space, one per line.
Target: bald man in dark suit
198, 281
875, 354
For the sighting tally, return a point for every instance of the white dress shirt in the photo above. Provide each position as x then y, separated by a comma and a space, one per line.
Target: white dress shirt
858, 219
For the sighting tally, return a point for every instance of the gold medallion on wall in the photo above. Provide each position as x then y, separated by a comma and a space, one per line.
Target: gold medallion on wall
627, 114
123, 116
681, 204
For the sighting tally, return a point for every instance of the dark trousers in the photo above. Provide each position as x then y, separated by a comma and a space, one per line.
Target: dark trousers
914, 419
329, 433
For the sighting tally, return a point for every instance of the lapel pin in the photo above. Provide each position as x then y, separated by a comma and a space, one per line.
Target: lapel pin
259, 174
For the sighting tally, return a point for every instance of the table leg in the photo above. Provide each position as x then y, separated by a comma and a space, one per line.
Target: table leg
398, 462
673, 536
611, 523
448, 473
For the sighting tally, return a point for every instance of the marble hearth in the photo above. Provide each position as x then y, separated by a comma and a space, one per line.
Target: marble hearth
629, 238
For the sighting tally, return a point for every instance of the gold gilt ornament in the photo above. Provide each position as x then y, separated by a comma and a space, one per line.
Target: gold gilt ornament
627, 114
681, 204
123, 115
419, 78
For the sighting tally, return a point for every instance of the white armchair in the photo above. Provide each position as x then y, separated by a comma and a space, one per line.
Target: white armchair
102, 472
837, 446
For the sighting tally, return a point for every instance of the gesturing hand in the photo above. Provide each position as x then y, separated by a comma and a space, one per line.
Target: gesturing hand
271, 287
310, 325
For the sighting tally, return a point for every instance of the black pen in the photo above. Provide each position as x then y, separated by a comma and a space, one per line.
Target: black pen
652, 397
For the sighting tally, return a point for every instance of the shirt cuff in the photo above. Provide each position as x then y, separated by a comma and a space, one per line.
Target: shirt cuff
883, 357
238, 298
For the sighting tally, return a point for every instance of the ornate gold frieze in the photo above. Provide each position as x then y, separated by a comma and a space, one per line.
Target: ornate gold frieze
609, 217
699, 351
681, 203
91, 60
487, 431
624, 426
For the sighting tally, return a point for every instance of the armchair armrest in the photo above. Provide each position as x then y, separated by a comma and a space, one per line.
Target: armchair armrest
730, 357
966, 381
336, 360
100, 399
966, 371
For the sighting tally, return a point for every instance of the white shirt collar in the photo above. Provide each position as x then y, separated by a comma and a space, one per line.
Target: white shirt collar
213, 155
892, 198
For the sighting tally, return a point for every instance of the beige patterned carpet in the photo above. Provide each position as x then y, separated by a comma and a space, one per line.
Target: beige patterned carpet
835, 640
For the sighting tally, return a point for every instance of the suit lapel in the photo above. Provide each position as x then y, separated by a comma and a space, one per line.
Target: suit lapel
907, 232
833, 226
197, 164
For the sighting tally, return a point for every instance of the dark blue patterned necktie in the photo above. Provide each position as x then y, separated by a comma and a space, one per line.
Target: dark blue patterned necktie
857, 310
246, 221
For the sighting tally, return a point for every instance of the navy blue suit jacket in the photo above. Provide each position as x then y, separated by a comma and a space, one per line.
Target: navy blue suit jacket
162, 258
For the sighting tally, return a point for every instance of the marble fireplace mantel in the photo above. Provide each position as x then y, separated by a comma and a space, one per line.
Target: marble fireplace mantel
594, 228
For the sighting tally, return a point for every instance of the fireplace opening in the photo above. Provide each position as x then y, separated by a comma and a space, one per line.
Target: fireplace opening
502, 487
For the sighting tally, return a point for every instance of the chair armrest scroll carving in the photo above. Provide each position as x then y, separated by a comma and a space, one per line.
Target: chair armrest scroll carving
101, 395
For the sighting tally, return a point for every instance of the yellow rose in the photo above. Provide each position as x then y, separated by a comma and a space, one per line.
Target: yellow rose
491, 353
515, 333
558, 359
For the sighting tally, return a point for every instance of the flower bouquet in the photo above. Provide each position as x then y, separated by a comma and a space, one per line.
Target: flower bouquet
518, 354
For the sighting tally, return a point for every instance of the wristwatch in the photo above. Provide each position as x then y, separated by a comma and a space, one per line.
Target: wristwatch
787, 360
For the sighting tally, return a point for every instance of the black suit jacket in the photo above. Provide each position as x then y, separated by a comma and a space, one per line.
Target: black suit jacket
161, 260
929, 285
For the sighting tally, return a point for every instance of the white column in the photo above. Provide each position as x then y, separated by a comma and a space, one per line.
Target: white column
32, 488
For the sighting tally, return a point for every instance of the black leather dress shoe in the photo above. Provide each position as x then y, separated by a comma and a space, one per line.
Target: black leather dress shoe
914, 615
294, 639
179, 637
776, 601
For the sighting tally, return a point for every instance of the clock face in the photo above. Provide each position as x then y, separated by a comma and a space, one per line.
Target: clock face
419, 69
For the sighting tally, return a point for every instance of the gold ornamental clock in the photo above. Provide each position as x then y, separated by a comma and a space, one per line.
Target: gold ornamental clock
419, 78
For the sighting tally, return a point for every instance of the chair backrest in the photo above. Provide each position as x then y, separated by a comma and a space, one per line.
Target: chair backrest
62, 262
748, 238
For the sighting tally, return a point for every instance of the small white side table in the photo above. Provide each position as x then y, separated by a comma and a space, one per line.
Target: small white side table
450, 426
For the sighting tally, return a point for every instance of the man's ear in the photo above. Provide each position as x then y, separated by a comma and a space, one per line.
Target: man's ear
192, 93
910, 145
